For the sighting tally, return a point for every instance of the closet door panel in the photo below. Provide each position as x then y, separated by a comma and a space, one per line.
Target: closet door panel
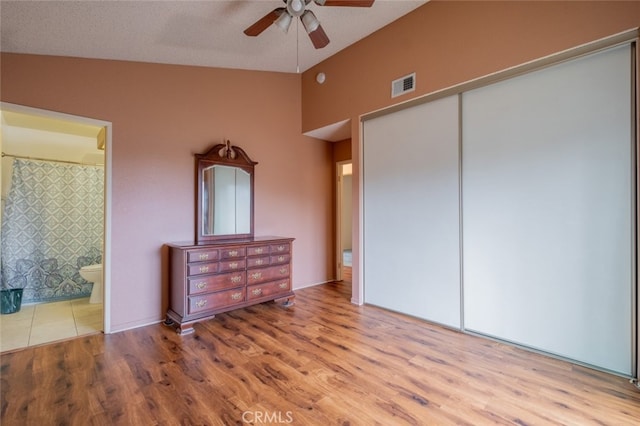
548, 210
411, 211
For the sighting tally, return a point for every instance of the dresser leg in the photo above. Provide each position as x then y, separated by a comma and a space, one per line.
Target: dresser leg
181, 328
184, 329
286, 301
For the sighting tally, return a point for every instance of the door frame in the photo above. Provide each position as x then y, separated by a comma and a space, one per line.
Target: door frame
339, 225
106, 254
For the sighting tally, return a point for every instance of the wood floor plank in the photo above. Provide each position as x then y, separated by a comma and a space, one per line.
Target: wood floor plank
323, 361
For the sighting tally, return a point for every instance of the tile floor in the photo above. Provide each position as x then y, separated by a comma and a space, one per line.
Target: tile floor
48, 322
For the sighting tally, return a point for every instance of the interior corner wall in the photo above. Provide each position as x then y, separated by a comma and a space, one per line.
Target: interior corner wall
161, 116
341, 150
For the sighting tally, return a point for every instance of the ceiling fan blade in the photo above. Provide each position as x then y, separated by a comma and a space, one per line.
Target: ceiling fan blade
264, 22
348, 3
319, 38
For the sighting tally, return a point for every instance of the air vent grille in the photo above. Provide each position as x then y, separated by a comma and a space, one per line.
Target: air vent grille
403, 85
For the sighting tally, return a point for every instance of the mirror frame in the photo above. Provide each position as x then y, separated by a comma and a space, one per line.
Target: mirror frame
227, 155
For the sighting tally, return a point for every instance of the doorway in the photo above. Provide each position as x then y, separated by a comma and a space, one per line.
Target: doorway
34, 138
343, 220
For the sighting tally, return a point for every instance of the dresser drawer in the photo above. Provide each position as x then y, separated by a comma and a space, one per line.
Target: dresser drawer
280, 258
231, 265
232, 253
216, 300
209, 283
253, 262
267, 274
202, 255
268, 289
257, 251
217, 276
202, 268
280, 248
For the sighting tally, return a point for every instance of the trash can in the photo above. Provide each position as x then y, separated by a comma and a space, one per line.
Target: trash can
10, 300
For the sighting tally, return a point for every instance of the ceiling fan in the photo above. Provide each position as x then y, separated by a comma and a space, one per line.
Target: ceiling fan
283, 16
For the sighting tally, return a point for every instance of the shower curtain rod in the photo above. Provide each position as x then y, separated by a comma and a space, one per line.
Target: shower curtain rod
50, 160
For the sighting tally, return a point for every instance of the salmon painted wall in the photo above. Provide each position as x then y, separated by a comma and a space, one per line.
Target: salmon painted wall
342, 150
447, 43
161, 116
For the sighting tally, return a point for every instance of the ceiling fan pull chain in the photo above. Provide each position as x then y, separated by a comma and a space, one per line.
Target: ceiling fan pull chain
297, 47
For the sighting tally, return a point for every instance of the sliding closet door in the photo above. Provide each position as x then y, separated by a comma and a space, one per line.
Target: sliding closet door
548, 210
411, 211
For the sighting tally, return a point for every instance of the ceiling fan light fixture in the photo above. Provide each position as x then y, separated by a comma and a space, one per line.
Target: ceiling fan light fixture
310, 21
283, 16
283, 22
295, 7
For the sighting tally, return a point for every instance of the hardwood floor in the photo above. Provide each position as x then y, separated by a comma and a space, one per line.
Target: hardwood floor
346, 273
323, 361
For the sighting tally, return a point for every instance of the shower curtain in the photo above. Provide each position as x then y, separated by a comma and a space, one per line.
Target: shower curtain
52, 226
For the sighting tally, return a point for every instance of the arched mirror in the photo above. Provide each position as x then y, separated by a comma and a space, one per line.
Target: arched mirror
224, 187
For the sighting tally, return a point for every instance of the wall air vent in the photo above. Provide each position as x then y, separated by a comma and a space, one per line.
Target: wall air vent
403, 85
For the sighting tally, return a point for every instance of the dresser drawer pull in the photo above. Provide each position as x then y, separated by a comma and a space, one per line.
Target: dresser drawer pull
236, 278
233, 265
280, 258
281, 248
259, 250
284, 271
233, 253
204, 269
203, 256
236, 296
259, 262
256, 291
283, 285
256, 275
201, 285
200, 303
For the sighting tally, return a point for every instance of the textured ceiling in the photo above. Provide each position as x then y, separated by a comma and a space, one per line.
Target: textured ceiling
204, 33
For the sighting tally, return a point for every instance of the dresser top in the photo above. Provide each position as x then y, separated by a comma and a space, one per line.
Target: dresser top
244, 241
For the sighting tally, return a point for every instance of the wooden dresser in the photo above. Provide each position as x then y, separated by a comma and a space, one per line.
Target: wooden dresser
214, 277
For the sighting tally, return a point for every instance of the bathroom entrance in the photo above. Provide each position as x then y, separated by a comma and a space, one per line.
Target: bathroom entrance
53, 224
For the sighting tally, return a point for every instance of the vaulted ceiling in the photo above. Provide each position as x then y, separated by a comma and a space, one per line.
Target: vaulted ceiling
202, 33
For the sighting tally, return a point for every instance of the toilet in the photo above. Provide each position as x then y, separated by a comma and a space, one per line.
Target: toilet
93, 274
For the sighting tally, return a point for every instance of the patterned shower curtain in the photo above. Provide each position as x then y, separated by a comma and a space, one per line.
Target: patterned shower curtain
52, 226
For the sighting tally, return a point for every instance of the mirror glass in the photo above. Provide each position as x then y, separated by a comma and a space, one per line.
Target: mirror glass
224, 194
226, 201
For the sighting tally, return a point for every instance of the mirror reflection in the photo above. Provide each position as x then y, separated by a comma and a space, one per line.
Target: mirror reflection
226, 201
